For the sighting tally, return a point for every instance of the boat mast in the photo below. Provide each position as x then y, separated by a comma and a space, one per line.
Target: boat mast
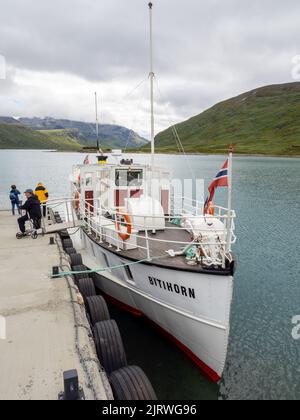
229, 206
151, 76
97, 122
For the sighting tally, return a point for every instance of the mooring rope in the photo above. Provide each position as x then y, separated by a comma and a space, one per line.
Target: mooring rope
103, 269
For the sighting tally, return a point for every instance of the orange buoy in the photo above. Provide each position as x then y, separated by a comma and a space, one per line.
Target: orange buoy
211, 208
124, 236
76, 200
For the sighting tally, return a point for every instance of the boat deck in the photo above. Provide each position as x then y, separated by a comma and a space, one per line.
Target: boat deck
158, 247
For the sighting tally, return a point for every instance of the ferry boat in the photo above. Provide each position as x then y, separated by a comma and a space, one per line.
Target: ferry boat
157, 254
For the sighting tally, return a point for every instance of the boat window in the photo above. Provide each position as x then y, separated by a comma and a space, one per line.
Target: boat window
121, 178
135, 178
129, 178
88, 180
128, 273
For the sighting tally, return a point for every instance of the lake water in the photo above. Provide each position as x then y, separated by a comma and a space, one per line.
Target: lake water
263, 358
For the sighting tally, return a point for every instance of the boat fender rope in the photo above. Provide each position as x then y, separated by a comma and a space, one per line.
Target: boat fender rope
102, 269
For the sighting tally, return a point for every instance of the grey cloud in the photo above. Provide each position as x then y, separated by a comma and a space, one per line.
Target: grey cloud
205, 51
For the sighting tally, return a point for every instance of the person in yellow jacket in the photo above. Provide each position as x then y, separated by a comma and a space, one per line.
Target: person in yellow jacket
43, 195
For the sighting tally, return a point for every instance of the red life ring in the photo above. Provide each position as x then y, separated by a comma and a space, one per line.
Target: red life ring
127, 218
76, 200
209, 209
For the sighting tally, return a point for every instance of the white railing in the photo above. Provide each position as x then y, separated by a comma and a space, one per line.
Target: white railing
187, 204
64, 206
95, 215
210, 252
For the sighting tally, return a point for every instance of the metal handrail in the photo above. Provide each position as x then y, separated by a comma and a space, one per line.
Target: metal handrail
88, 212
219, 244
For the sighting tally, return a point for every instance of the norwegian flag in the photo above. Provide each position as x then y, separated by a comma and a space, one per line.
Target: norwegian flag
221, 180
86, 160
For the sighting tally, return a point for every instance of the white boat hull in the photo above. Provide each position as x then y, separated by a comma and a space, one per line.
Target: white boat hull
193, 309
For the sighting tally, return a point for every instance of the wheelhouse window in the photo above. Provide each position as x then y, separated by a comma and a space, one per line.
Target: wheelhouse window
129, 178
88, 180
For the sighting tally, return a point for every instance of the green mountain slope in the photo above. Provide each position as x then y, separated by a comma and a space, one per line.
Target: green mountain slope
16, 136
263, 121
111, 136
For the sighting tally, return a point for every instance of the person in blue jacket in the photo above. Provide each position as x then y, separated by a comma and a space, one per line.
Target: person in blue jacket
14, 199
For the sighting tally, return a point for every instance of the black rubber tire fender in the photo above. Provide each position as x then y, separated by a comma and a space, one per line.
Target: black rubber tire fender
81, 275
109, 345
86, 287
64, 234
70, 251
67, 243
75, 259
97, 309
131, 383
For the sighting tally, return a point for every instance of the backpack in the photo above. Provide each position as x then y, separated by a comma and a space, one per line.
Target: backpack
12, 196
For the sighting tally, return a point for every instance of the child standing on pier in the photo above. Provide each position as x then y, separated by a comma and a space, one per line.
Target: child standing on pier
14, 199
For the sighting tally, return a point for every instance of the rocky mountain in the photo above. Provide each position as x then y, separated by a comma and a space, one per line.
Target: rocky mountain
111, 136
14, 135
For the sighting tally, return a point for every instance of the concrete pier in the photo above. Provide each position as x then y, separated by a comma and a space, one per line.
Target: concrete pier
47, 331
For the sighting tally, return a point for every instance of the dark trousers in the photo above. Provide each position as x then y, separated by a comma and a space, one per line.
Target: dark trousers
22, 220
13, 205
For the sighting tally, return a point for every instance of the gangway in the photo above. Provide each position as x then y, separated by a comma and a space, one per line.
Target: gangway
58, 227
63, 207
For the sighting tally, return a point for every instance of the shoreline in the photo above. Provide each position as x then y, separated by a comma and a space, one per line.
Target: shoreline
217, 154
157, 153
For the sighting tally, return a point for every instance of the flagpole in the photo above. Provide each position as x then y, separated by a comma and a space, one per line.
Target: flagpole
229, 206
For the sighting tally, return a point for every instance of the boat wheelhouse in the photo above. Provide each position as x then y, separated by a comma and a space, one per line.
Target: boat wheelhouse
112, 184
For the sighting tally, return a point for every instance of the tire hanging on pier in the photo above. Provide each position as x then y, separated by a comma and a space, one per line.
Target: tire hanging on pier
131, 383
75, 259
97, 309
67, 243
86, 287
109, 345
70, 251
79, 276
64, 235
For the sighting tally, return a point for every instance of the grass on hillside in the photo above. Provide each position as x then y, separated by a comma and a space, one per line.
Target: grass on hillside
264, 121
20, 137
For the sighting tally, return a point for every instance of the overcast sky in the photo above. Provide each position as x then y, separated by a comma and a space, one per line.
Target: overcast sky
59, 52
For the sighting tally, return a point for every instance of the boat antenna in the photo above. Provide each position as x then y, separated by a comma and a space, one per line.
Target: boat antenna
97, 124
102, 159
151, 76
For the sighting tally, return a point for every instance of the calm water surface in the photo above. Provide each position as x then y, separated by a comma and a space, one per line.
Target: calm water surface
263, 359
